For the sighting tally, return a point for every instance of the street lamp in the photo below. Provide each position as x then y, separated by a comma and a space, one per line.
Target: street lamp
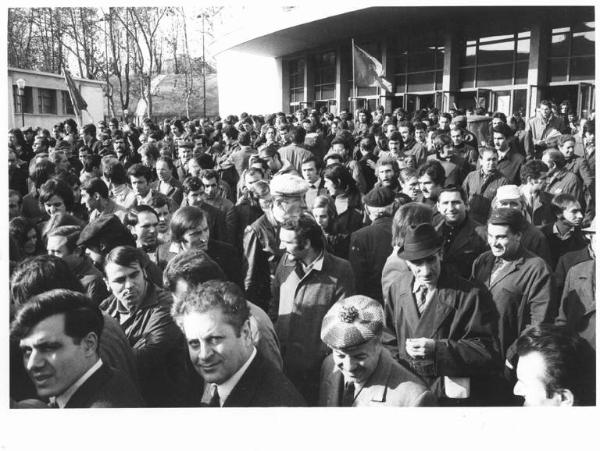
21, 94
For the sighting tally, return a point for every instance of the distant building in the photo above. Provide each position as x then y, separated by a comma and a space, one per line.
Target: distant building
47, 101
504, 58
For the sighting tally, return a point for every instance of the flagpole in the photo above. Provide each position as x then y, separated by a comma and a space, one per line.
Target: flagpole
354, 90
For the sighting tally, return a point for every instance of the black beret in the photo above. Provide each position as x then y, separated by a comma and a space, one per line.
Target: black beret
507, 216
106, 233
379, 197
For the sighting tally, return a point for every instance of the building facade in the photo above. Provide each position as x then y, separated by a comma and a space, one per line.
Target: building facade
501, 58
47, 101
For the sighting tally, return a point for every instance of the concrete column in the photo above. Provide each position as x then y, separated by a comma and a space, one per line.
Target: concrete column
345, 73
450, 75
309, 79
537, 76
285, 85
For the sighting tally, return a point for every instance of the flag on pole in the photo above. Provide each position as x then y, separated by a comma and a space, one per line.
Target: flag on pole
368, 71
79, 104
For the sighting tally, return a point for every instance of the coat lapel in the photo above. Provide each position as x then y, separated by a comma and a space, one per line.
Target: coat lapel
89, 388
376, 387
243, 392
506, 270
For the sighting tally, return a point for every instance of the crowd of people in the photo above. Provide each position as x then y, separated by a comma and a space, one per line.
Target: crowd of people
306, 259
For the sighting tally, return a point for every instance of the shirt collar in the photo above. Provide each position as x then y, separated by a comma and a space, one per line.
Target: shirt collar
227, 387
145, 200
62, 399
417, 286
316, 264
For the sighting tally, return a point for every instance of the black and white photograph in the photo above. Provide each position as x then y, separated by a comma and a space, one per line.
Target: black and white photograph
284, 211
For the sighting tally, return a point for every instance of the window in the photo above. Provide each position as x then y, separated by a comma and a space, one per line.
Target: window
27, 100
67, 106
417, 63
296, 74
373, 49
572, 53
325, 76
46, 101
495, 60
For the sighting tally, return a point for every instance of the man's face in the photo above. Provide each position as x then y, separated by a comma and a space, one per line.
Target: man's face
163, 171
57, 246
211, 188
573, 215
164, 219
119, 146
510, 203
427, 185
537, 184
426, 270
389, 129
195, 198
197, 237
339, 148
185, 153
140, 185
394, 147
420, 135
444, 123
405, 133
175, 131
250, 180
147, 160
502, 241
498, 139
38, 145
489, 162
321, 215
545, 111
359, 362
146, 230
386, 175
531, 370
568, 149
52, 359
127, 283
411, 188
496, 121
55, 205
456, 137
14, 207
362, 118
85, 157
272, 162
447, 152
309, 172
216, 350
289, 242
452, 207
90, 202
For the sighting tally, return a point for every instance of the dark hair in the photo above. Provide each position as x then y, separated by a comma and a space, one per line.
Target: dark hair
183, 220
569, 360
54, 187
59, 220
151, 149
270, 151
19, 228
114, 171
556, 157
41, 172
312, 159
297, 135
407, 124
440, 141
435, 170
70, 232
306, 228
565, 139
82, 316
500, 116
95, 185
39, 274
562, 201
589, 127
208, 174
131, 219
192, 184
405, 174
533, 169
159, 200
454, 189
215, 294
244, 138
341, 178
89, 129
395, 136
126, 256
503, 129
194, 266
230, 131
140, 170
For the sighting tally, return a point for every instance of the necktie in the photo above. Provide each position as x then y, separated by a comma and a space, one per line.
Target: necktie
498, 264
215, 401
348, 395
421, 299
299, 269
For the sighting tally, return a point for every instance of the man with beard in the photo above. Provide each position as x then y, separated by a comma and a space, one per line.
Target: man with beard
143, 311
308, 280
564, 235
431, 180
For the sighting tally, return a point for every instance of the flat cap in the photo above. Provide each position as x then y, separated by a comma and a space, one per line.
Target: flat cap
288, 185
379, 197
508, 192
507, 216
351, 322
106, 233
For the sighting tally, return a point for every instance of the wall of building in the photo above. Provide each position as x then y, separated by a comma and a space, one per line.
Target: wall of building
90, 90
248, 83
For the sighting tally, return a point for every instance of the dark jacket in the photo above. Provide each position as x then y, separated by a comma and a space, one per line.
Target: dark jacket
460, 318
510, 167
263, 385
106, 387
480, 194
369, 249
228, 259
158, 345
559, 246
566, 262
175, 192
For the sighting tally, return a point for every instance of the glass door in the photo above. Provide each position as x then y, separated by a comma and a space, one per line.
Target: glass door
585, 99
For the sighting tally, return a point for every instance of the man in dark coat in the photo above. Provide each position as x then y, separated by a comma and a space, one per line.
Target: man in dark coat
462, 244
444, 327
74, 377
216, 325
142, 310
371, 245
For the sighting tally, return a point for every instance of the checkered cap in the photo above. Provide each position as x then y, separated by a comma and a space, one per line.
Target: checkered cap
351, 322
